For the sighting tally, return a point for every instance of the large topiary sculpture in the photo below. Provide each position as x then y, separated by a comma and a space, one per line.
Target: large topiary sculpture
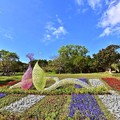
26, 81
37, 78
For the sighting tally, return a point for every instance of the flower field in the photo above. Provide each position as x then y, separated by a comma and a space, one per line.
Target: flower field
73, 105
2, 95
8, 83
113, 82
86, 105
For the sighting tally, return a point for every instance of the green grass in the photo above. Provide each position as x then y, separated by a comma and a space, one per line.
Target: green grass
81, 75
11, 78
60, 91
116, 75
18, 76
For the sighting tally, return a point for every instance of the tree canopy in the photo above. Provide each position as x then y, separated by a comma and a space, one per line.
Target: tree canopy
8, 61
70, 59
106, 57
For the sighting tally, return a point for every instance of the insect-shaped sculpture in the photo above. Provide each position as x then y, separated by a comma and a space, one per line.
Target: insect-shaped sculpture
38, 78
26, 82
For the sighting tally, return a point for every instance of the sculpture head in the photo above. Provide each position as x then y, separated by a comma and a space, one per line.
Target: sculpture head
30, 56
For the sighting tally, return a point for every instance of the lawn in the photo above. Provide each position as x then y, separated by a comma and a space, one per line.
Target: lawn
65, 103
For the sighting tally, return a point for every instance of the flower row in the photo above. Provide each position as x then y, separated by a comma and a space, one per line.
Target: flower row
24, 103
112, 103
2, 95
9, 83
86, 104
113, 82
96, 82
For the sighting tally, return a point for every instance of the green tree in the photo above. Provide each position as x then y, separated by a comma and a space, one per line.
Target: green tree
20, 66
8, 60
72, 56
58, 64
106, 57
42, 63
50, 67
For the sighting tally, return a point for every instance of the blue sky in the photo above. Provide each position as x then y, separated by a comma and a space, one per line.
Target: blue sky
43, 26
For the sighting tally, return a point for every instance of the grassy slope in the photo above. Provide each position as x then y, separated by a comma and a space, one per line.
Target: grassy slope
61, 76
86, 75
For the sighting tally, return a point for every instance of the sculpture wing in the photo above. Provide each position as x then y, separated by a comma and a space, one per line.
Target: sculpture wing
38, 76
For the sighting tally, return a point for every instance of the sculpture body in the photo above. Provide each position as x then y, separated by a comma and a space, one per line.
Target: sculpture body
26, 82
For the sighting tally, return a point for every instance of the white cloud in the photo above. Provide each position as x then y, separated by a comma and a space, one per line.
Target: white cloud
111, 17
50, 27
79, 2
94, 3
47, 37
107, 31
110, 20
6, 34
54, 30
59, 31
84, 10
59, 20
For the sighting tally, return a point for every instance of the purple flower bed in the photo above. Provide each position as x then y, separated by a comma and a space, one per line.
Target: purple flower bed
2, 95
83, 80
87, 105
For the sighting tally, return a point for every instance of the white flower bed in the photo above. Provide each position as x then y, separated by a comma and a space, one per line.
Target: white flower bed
24, 103
96, 82
112, 102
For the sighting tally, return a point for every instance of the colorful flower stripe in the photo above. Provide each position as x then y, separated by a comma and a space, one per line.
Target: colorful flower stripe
86, 104
23, 104
2, 95
83, 80
96, 82
9, 83
112, 103
113, 82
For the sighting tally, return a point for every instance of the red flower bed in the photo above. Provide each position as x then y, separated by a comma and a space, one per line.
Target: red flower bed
9, 83
113, 82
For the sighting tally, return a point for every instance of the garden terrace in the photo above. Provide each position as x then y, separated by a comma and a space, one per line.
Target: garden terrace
60, 103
